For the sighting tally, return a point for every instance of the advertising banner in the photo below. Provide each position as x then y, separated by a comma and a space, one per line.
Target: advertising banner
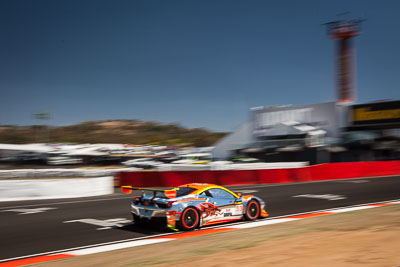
376, 114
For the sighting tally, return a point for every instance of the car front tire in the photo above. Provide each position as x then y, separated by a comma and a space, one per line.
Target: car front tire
253, 210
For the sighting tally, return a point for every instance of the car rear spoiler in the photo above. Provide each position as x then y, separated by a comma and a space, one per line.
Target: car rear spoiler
169, 193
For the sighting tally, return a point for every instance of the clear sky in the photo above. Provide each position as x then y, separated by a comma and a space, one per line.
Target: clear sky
200, 63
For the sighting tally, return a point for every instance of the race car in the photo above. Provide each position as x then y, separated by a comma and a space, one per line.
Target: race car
194, 205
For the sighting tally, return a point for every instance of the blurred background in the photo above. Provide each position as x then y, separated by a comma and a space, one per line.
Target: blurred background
99, 94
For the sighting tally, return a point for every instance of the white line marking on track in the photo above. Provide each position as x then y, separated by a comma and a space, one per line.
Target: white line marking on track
67, 202
325, 196
136, 243
353, 181
105, 224
29, 211
352, 209
264, 222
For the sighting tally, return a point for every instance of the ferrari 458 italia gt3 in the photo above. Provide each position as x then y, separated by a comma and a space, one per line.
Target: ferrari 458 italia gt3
191, 206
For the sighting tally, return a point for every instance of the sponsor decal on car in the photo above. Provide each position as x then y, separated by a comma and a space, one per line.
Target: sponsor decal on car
191, 199
209, 209
239, 208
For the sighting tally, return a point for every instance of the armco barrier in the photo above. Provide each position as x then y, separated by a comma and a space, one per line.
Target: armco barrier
328, 171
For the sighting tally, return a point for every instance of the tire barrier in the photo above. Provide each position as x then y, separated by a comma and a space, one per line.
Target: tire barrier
328, 171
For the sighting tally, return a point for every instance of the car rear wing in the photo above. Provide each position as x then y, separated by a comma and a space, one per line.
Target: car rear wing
169, 193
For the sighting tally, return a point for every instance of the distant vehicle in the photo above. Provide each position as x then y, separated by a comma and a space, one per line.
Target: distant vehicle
194, 205
63, 160
144, 163
194, 158
168, 159
30, 156
119, 151
246, 160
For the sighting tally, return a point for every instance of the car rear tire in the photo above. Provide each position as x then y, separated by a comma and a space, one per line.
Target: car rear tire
253, 210
190, 219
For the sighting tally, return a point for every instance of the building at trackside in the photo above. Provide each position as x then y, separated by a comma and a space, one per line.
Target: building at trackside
325, 132
318, 133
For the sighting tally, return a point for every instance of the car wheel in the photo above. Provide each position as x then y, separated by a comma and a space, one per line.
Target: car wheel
189, 219
252, 210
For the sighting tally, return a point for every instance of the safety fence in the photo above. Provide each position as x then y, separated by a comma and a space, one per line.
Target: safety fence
328, 171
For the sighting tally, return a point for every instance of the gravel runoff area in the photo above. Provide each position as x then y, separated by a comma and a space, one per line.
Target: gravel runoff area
359, 238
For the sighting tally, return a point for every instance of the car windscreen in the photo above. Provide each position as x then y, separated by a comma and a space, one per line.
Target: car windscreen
180, 191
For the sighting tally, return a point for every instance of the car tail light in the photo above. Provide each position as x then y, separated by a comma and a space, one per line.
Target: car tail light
169, 204
136, 200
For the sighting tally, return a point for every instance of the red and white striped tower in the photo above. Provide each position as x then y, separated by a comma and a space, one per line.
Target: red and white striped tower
343, 32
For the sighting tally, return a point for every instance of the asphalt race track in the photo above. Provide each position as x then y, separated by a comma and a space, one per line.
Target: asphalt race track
33, 227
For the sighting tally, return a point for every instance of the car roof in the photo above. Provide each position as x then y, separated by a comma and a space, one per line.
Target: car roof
200, 187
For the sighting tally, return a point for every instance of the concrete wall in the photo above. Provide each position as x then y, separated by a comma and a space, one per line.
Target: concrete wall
47, 173
12, 190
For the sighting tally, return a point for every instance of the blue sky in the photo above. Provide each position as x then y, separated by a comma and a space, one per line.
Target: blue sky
200, 63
